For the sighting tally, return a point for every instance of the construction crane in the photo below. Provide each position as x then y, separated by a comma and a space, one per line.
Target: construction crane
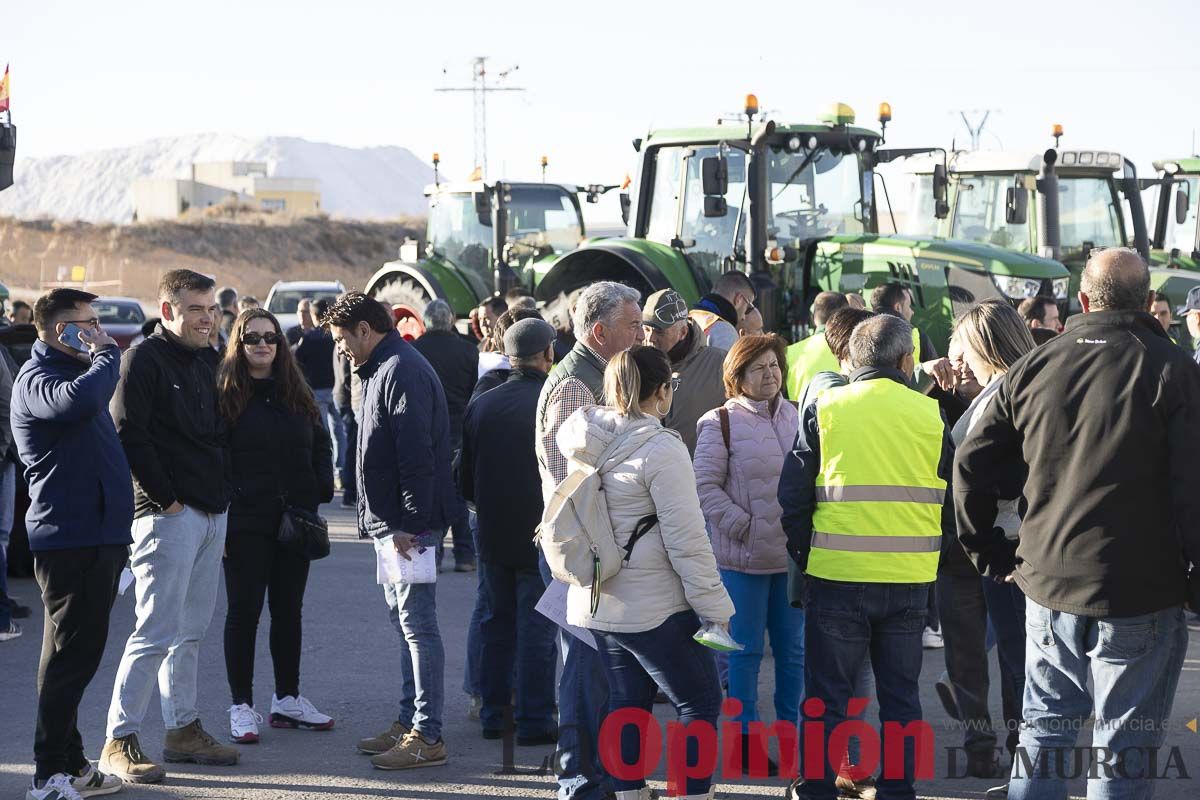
479, 90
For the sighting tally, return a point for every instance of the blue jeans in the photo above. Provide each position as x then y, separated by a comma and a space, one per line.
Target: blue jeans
1134, 665
8, 498
350, 426
1006, 615
846, 622
583, 699
412, 608
474, 663
666, 657
515, 635
761, 605
331, 418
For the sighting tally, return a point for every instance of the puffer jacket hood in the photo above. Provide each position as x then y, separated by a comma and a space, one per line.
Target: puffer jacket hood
589, 431
671, 568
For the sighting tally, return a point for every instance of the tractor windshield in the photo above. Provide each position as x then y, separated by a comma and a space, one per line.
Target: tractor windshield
456, 234
544, 216
980, 214
825, 198
1090, 212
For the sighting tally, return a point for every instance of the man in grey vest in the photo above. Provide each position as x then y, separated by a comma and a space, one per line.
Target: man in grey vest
607, 321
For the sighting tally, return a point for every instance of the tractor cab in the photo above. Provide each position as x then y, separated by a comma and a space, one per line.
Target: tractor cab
1060, 205
480, 239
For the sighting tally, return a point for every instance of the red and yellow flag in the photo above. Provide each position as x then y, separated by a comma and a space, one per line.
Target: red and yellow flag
4, 90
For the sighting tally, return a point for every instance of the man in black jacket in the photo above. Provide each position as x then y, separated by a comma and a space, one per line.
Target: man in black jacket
165, 410
499, 474
314, 355
1107, 416
456, 361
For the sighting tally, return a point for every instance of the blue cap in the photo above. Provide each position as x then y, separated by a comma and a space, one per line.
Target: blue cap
1192, 304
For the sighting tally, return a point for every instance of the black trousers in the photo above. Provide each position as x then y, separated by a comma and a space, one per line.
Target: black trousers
256, 567
78, 589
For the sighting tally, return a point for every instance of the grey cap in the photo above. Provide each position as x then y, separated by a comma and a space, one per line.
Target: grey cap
528, 337
1192, 304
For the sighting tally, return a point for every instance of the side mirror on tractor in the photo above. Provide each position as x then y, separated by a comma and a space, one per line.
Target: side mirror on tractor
1016, 205
714, 174
483, 206
941, 186
1181, 206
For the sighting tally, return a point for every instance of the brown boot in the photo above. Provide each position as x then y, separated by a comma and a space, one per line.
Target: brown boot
192, 743
412, 752
385, 741
124, 758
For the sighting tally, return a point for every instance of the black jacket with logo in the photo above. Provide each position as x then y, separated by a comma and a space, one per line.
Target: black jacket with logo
165, 410
1107, 416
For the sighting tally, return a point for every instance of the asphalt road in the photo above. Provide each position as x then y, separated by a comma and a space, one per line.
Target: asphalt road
349, 670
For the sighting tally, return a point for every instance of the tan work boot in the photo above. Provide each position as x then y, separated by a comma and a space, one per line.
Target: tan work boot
192, 743
412, 752
124, 758
384, 741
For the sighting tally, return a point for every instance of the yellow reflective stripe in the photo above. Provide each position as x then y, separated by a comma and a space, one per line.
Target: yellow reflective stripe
858, 543
880, 494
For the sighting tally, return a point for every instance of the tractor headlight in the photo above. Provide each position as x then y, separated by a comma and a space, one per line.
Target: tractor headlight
1015, 288
1061, 286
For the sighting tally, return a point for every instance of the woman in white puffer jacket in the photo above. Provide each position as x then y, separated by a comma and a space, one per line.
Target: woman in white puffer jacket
669, 585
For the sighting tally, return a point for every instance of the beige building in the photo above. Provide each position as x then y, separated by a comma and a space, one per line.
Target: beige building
215, 181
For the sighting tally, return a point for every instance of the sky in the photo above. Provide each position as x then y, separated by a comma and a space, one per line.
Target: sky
90, 75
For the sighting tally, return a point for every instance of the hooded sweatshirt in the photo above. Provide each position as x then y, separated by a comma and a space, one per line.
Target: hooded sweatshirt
671, 568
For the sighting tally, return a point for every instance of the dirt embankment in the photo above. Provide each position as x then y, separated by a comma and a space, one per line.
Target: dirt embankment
249, 251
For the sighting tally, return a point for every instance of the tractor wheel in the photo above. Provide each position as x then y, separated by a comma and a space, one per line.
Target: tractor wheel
406, 299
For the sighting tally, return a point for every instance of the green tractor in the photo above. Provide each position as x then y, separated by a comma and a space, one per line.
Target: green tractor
1173, 196
481, 239
795, 207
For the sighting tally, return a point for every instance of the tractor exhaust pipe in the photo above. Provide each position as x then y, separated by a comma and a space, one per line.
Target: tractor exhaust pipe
1050, 231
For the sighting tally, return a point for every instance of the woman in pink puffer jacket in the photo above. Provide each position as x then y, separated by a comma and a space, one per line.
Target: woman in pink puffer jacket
737, 485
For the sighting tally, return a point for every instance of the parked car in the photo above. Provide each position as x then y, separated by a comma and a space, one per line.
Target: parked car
122, 319
286, 295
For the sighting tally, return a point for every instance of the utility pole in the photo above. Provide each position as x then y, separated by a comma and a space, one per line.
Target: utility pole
479, 90
976, 131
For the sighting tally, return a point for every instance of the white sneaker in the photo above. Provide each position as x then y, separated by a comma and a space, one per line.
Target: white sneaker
11, 632
932, 639
56, 787
243, 724
297, 712
93, 782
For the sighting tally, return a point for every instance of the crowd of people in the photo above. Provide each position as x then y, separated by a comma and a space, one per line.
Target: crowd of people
852, 498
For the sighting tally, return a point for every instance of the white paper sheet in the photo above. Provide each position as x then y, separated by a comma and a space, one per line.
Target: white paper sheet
126, 580
553, 606
391, 567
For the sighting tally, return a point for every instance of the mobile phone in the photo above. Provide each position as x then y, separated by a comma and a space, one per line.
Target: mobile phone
70, 337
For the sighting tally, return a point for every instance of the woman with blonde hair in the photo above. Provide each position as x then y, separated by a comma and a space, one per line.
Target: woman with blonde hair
668, 586
992, 337
740, 450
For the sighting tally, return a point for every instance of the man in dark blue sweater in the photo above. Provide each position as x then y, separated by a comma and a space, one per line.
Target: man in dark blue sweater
406, 498
80, 513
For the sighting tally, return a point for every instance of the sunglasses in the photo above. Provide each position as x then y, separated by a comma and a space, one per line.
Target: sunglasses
261, 338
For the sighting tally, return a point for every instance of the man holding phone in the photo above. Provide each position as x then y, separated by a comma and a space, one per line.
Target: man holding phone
165, 410
81, 507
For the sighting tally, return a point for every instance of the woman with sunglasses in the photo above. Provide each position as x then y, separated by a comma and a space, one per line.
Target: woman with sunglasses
281, 456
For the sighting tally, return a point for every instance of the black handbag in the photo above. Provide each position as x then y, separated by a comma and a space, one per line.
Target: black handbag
304, 533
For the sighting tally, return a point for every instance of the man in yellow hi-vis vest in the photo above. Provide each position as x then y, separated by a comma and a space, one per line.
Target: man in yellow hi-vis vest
809, 356
863, 495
